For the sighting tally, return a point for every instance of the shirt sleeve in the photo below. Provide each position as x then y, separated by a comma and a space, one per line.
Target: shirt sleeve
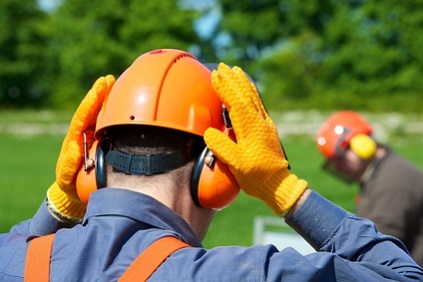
44, 222
348, 244
349, 248
13, 245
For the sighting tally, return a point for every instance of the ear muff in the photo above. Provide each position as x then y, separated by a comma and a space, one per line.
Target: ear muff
363, 145
212, 184
93, 177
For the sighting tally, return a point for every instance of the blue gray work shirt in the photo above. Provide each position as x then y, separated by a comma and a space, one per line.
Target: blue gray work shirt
120, 224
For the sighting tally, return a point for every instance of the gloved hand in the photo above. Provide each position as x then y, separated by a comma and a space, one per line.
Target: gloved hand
62, 197
256, 159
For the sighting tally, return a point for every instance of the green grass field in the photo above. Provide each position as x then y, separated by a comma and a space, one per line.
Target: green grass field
27, 167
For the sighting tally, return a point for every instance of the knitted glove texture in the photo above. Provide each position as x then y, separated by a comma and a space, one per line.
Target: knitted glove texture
62, 196
256, 158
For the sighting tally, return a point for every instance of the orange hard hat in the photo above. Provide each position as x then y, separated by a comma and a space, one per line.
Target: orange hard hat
338, 129
171, 89
161, 88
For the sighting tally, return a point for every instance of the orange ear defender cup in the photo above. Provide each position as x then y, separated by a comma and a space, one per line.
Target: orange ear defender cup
212, 184
363, 145
90, 179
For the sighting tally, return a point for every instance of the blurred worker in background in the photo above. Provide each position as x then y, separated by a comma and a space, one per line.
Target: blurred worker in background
164, 155
391, 187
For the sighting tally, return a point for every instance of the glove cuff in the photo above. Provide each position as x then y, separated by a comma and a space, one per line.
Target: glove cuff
289, 190
61, 205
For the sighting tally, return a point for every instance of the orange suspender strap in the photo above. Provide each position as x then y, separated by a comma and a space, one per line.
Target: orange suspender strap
37, 266
152, 257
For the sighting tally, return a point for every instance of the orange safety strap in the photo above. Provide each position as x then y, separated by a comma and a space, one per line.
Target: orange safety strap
152, 257
37, 266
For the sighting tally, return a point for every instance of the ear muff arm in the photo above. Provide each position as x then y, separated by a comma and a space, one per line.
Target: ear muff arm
92, 174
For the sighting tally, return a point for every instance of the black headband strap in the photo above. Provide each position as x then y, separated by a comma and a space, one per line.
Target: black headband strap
144, 164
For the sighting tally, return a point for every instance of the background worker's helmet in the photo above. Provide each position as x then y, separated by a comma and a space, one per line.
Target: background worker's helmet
171, 89
346, 129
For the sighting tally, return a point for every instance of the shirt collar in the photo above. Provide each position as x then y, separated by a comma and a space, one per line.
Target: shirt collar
140, 208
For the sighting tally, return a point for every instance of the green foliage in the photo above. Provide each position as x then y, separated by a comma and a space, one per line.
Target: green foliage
95, 38
372, 51
289, 74
21, 45
313, 54
361, 54
52, 59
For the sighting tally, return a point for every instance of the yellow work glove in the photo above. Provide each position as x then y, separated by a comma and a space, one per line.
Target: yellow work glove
62, 197
256, 159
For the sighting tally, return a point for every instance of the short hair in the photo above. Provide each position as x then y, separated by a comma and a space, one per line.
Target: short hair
143, 139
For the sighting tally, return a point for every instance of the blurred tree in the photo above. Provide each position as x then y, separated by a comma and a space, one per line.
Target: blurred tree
317, 53
254, 26
21, 53
288, 74
279, 43
326, 54
94, 38
380, 55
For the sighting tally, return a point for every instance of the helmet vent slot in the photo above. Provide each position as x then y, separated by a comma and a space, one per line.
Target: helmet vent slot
184, 56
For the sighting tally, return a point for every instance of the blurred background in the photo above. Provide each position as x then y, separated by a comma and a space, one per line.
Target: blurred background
308, 58
364, 55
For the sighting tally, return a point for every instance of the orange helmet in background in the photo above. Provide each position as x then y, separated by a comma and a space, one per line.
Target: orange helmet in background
338, 130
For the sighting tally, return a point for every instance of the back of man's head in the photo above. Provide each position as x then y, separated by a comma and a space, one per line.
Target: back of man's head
152, 119
127, 141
